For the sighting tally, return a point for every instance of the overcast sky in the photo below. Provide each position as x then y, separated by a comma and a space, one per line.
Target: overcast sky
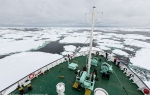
134, 13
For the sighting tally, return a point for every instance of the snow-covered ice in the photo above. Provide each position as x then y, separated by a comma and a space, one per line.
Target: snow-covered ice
113, 45
137, 43
142, 58
127, 48
106, 41
74, 40
19, 46
133, 29
53, 37
14, 36
135, 36
103, 47
5, 40
87, 48
147, 83
109, 41
29, 40
66, 53
120, 52
17, 66
131, 36
100, 36
84, 33
70, 48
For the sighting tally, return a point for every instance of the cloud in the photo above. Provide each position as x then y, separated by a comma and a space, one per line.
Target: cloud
71, 12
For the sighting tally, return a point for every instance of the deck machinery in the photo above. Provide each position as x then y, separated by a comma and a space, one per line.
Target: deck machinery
84, 80
106, 69
94, 61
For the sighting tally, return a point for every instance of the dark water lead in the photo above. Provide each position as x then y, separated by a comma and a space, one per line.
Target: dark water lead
3, 56
56, 47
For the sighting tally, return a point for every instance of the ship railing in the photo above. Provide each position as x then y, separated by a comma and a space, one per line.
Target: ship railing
141, 85
36, 73
128, 72
132, 76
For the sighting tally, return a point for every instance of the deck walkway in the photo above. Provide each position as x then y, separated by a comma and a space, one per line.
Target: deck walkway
45, 84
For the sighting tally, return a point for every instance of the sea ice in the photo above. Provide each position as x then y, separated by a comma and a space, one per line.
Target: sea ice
70, 48
136, 36
13, 36
17, 66
142, 58
103, 47
127, 48
137, 43
53, 37
82, 40
6, 40
109, 41
100, 36
87, 48
65, 53
120, 52
147, 83
113, 45
19, 46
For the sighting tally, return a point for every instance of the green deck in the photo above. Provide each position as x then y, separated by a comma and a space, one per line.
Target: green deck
46, 83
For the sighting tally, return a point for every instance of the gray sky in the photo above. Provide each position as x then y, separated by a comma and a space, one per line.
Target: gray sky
134, 13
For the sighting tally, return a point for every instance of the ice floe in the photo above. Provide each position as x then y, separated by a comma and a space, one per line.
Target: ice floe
74, 40
53, 37
20, 65
111, 45
70, 48
133, 29
142, 58
5, 40
19, 46
127, 48
120, 52
65, 53
109, 41
137, 43
87, 48
103, 47
99, 37
147, 83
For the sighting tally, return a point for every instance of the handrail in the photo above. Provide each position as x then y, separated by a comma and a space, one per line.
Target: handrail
138, 77
30, 73
64, 58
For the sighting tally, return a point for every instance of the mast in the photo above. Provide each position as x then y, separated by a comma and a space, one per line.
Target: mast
91, 40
